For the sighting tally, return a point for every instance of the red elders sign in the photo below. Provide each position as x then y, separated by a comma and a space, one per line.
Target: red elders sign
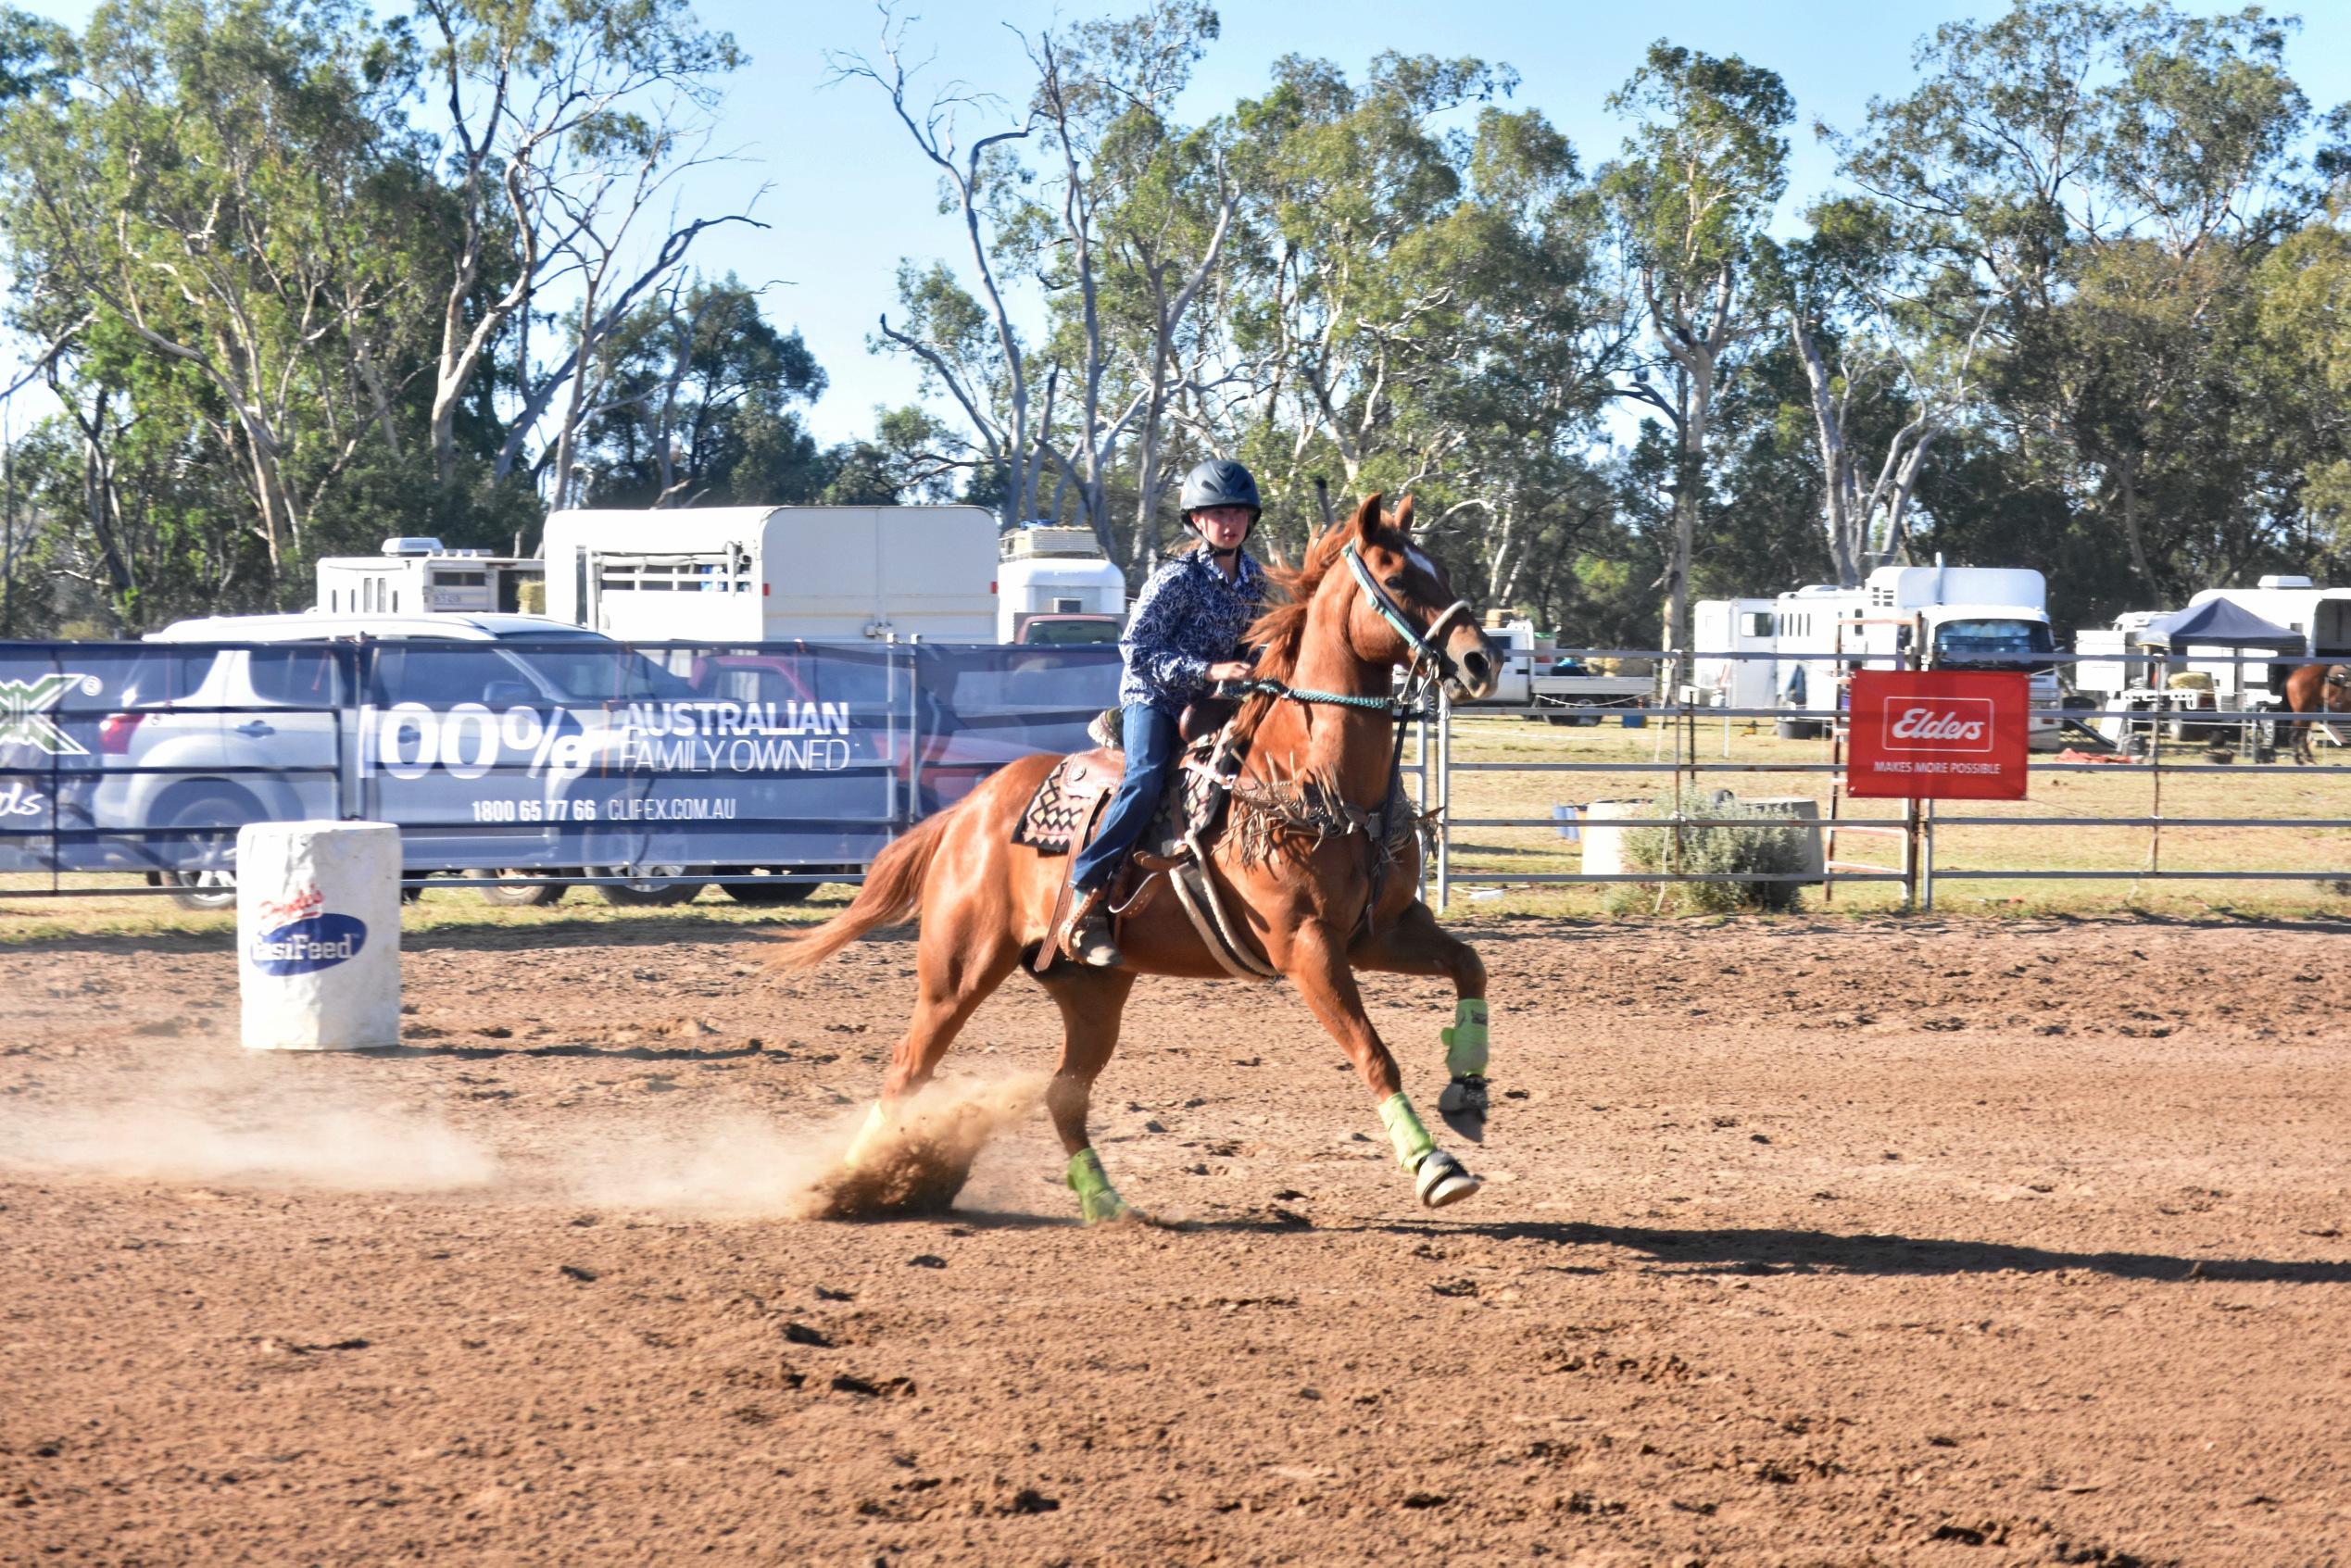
1944, 736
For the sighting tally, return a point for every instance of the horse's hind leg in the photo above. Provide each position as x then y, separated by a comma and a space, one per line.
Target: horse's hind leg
958, 965
1414, 944
1092, 1002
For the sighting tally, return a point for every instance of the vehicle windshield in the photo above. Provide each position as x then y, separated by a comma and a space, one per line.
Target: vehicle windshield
1070, 634
1991, 640
589, 667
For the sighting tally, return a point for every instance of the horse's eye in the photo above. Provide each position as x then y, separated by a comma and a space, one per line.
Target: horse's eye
1396, 584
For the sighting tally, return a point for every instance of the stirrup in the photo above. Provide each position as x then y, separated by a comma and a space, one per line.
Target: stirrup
1087, 939
1441, 1179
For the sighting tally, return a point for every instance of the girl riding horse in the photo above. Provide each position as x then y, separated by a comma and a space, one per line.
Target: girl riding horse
1320, 862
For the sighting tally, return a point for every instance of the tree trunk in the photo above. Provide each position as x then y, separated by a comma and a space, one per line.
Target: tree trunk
1845, 548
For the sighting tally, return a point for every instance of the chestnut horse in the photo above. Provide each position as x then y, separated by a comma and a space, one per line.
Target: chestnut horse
2316, 689
1318, 905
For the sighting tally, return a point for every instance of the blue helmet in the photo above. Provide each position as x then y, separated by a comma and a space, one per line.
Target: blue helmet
1220, 481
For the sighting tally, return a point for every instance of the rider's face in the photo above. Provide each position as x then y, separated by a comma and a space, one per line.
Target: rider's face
1223, 527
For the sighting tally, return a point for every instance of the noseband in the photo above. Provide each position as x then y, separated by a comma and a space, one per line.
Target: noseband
1424, 645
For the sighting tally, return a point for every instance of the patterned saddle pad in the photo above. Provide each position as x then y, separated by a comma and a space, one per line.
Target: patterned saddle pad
1062, 812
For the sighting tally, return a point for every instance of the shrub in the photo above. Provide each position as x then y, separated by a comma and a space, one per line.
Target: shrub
1718, 850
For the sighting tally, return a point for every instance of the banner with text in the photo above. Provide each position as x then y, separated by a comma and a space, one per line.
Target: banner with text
552, 753
1937, 735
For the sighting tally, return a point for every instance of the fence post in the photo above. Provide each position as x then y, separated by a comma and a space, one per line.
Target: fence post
915, 738
1444, 798
1427, 801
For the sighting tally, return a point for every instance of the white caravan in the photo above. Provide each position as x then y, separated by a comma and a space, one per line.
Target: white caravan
1050, 570
417, 576
757, 574
1721, 628
1973, 617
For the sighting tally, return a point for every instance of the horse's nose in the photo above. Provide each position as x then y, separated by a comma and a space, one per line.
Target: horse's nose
1478, 666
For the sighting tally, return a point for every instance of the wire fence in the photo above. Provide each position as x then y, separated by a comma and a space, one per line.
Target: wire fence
2141, 734
2207, 760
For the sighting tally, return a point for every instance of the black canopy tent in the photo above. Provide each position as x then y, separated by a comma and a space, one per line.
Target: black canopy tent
2218, 623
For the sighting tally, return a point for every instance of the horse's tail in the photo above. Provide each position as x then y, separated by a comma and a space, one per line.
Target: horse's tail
893, 886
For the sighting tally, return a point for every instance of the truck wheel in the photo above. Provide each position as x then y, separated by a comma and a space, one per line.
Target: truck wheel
770, 889
647, 893
208, 878
513, 897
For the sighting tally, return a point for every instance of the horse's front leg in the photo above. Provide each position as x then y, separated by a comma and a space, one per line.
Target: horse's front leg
1414, 944
1316, 964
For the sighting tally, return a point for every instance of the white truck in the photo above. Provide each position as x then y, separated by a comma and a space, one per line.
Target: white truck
417, 576
1532, 677
755, 574
1972, 617
1060, 573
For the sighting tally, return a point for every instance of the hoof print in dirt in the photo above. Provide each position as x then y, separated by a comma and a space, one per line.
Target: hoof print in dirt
926, 1260
573, 1270
845, 1383
802, 1333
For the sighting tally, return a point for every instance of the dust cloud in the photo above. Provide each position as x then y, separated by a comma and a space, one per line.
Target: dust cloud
267, 1122
240, 1124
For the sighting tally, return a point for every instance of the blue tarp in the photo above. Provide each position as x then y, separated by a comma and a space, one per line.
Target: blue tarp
550, 756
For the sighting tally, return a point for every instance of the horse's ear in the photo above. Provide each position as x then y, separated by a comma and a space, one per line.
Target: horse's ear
1367, 522
1403, 517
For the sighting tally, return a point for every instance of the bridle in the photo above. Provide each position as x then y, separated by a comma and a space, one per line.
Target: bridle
1425, 645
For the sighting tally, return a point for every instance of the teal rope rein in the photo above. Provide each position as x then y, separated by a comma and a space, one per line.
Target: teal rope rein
1259, 685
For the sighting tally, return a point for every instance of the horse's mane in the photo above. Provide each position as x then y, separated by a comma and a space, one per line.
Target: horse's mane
1278, 633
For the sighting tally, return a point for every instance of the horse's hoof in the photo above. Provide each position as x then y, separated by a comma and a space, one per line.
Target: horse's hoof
1463, 1097
1441, 1180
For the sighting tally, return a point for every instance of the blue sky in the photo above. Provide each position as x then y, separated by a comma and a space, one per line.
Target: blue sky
850, 195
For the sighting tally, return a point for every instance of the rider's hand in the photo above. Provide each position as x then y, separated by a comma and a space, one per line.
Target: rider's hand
1230, 669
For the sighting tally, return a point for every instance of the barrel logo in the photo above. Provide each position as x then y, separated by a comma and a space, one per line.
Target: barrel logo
306, 946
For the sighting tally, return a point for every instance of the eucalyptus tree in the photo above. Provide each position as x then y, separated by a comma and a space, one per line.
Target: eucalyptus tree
2111, 173
1692, 194
1117, 215
696, 396
1890, 341
566, 124
231, 191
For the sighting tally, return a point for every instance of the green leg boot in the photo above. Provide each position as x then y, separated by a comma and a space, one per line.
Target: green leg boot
1438, 1177
1096, 1199
1465, 1059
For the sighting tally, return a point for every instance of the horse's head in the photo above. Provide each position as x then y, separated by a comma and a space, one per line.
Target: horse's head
1404, 608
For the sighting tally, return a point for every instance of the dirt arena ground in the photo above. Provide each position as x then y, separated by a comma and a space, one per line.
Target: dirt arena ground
1803, 1243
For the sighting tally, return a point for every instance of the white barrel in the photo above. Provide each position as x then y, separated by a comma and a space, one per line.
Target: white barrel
1604, 823
318, 935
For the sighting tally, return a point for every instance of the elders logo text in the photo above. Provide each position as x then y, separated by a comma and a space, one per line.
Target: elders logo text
1955, 723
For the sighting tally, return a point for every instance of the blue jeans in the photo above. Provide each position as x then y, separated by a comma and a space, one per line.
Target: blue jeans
1153, 746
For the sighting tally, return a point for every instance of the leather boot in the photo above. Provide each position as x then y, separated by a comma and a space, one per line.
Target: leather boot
1087, 938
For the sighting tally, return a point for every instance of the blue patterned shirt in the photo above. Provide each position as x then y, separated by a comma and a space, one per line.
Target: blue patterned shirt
1187, 618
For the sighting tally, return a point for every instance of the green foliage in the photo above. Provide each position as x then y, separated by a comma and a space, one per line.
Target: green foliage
1717, 850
